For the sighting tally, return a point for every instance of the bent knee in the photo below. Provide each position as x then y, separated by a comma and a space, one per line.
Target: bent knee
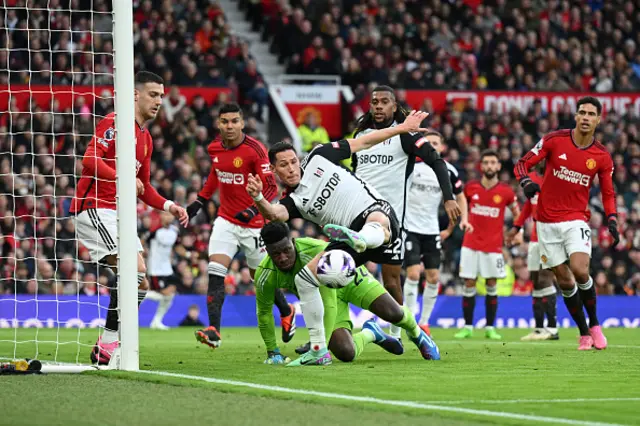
432, 275
341, 345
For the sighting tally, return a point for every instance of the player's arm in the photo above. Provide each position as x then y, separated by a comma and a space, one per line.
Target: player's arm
514, 236
410, 124
281, 212
262, 170
526, 163
100, 143
205, 194
605, 176
151, 197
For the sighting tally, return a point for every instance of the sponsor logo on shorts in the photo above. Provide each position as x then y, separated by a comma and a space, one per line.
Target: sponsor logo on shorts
591, 164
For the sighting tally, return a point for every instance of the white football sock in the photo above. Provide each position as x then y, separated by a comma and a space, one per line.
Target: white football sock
395, 331
373, 234
428, 302
411, 294
109, 336
154, 295
311, 305
163, 306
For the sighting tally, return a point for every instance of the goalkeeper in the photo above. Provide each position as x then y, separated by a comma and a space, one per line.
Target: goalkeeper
286, 257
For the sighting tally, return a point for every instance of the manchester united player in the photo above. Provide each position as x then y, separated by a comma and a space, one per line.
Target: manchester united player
574, 158
234, 155
94, 204
482, 249
544, 291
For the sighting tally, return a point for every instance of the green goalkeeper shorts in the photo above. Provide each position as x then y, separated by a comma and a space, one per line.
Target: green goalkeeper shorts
361, 293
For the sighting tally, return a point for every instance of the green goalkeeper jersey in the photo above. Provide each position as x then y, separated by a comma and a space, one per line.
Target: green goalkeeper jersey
268, 278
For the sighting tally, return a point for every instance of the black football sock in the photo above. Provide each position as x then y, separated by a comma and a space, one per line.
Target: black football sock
468, 304
538, 308
282, 304
112, 321
550, 308
574, 306
588, 295
215, 293
491, 305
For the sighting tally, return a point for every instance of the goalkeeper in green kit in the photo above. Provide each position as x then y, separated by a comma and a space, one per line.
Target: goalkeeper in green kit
285, 259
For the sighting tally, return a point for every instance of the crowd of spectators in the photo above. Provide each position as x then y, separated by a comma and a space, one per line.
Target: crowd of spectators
553, 45
39, 252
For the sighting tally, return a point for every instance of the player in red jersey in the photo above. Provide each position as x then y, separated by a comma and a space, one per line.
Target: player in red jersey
234, 155
94, 204
544, 290
574, 158
482, 249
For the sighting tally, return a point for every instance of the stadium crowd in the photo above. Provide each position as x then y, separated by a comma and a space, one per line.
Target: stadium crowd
458, 47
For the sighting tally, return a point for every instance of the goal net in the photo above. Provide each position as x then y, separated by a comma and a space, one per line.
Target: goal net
56, 83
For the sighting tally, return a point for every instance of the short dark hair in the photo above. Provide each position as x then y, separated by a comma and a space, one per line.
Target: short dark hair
590, 100
384, 88
229, 108
489, 153
144, 77
434, 133
278, 148
274, 232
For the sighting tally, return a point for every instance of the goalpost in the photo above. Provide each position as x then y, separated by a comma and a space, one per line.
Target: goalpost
49, 108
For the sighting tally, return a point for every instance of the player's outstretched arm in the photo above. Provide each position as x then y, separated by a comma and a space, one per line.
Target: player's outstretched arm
271, 212
410, 124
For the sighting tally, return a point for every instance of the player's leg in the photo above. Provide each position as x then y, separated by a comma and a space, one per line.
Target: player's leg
492, 265
431, 257
253, 247
469, 260
162, 291
538, 299
393, 284
375, 232
546, 283
553, 255
223, 246
412, 256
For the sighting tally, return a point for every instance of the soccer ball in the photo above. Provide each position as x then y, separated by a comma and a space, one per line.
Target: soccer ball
336, 269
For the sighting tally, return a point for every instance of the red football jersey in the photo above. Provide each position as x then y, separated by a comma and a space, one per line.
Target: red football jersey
229, 171
97, 185
530, 209
486, 214
564, 195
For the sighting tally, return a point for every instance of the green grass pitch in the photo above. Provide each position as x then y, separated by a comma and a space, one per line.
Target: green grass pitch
477, 382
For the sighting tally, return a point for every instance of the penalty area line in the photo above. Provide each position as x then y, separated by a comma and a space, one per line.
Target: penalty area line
391, 402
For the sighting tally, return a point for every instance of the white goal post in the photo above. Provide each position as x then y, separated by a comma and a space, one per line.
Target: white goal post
35, 296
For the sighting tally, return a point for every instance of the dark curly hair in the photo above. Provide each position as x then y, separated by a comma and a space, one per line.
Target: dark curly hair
367, 121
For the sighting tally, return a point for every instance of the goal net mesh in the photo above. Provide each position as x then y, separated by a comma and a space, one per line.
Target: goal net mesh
56, 84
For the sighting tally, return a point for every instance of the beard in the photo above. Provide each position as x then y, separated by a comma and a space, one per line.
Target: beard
490, 174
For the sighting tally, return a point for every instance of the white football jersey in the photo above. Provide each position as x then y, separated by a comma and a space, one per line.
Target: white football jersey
329, 193
388, 168
160, 248
425, 197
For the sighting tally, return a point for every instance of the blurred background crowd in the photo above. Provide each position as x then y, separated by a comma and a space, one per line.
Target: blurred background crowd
526, 45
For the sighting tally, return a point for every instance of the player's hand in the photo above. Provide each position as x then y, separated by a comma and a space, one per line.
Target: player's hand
613, 230
445, 234
413, 120
466, 226
453, 210
276, 358
194, 208
514, 237
529, 187
180, 213
254, 185
139, 187
246, 215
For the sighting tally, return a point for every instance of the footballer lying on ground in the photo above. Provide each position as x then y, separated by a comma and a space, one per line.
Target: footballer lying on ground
285, 258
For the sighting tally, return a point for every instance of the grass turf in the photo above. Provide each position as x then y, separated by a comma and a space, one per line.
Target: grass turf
473, 374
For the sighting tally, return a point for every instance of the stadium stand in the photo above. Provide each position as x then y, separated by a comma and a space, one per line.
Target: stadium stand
190, 44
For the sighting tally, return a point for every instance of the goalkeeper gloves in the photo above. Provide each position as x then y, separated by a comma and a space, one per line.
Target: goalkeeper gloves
247, 214
194, 208
276, 358
529, 187
613, 230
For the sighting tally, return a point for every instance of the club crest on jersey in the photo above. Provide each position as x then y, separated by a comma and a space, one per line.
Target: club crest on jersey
497, 199
591, 164
335, 144
319, 172
109, 134
237, 162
